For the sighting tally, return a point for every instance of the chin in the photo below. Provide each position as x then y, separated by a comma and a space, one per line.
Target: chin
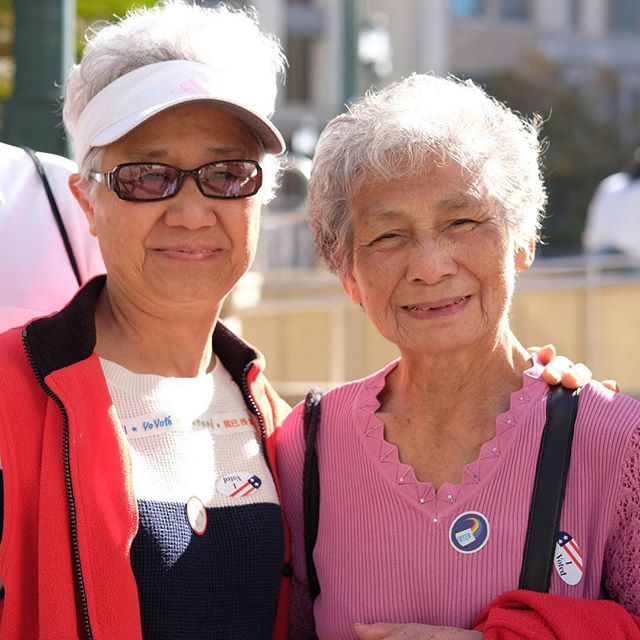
440, 343
187, 291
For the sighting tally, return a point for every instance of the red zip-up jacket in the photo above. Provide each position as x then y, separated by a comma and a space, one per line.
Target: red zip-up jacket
69, 511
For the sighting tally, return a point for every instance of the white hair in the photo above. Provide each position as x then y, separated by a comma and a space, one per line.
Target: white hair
173, 30
413, 124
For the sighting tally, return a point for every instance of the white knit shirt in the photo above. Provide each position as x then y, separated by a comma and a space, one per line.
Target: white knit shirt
210, 531
186, 434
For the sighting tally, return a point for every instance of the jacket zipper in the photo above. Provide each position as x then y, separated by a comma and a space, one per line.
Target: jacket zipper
256, 411
77, 567
287, 570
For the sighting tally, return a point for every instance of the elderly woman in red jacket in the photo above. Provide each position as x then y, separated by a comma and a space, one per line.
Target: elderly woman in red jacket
140, 496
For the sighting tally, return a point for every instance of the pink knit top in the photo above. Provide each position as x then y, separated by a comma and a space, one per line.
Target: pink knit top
392, 549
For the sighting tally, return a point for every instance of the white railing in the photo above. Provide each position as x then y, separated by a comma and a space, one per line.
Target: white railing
588, 270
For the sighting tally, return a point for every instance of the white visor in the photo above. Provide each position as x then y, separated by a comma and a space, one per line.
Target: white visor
140, 94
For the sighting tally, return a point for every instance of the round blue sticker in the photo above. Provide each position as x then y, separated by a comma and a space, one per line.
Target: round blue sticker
469, 532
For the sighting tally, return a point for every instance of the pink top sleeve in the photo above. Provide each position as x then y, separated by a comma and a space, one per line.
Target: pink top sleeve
622, 558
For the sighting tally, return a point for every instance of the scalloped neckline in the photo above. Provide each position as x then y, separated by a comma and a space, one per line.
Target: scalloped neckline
402, 475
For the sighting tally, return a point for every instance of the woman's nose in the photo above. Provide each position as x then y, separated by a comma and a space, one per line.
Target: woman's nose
190, 208
430, 261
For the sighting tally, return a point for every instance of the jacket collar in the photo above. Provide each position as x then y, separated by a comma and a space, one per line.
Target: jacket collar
69, 336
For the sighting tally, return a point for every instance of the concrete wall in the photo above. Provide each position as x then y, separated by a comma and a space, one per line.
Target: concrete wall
312, 335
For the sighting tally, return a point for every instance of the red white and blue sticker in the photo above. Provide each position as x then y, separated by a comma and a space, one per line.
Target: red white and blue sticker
568, 559
196, 515
238, 485
469, 532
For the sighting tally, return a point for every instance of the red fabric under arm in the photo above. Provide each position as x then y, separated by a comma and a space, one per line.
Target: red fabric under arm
527, 615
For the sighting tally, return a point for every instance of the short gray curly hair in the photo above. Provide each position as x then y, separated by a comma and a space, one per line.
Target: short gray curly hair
172, 30
422, 120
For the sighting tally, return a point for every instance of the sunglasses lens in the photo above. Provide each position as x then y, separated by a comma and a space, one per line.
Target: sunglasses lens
230, 179
223, 179
146, 181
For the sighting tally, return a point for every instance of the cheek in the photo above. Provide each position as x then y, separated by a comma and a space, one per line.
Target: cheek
106, 229
248, 231
121, 231
498, 284
491, 252
373, 287
254, 231
373, 266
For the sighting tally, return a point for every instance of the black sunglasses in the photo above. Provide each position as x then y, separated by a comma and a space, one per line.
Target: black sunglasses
151, 181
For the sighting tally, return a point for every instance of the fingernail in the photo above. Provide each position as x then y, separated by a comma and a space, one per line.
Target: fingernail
581, 372
554, 372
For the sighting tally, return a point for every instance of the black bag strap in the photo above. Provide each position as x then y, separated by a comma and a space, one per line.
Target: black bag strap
548, 489
56, 212
311, 486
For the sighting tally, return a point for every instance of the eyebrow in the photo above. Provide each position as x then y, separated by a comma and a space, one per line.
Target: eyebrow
382, 216
461, 201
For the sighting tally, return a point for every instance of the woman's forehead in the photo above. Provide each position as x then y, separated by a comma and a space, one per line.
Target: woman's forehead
408, 164
448, 186
199, 125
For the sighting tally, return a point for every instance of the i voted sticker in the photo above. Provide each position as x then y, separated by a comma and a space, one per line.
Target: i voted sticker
238, 485
196, 515
469, 532
568, 559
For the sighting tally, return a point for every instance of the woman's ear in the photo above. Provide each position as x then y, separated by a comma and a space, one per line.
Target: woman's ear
351, 288
525, 255
85, 203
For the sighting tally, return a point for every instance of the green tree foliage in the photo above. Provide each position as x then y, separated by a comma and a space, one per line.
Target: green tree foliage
88, 11
6, 48
582, 145
94, 11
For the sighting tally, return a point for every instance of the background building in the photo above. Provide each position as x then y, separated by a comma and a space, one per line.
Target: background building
469, 38
576, 59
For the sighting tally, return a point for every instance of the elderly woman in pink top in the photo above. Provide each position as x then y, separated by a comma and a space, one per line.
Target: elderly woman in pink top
426, 200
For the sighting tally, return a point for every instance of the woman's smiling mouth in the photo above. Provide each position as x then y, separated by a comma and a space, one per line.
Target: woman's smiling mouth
444, 306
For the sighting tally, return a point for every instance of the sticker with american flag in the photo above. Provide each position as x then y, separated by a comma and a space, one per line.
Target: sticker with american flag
238, 485
197, 515
568, 559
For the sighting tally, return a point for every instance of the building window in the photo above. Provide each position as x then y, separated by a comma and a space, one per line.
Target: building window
305, 23
514, 9
574, 13
624, 15
299, 73
467, 8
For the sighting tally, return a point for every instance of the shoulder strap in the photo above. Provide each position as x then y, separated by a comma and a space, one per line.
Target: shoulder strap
56, 212
311, 486
548, 489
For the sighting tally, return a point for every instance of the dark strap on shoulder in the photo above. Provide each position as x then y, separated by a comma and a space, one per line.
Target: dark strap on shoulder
311, 486
56, 212
548, 489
